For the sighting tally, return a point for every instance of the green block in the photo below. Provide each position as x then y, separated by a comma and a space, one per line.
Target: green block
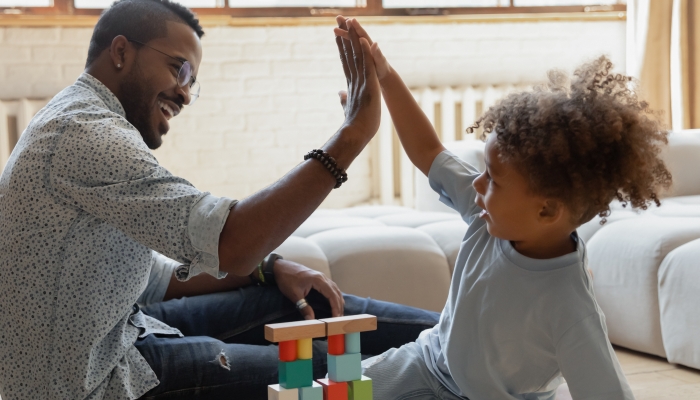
296, 374
360, 389
345, 368
314, 392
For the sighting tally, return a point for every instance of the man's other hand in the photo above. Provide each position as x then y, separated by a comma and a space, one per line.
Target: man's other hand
295, 281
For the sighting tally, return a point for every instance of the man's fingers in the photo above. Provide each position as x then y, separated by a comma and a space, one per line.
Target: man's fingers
357, 57
361, 31
327, 288
307, 312
343, 58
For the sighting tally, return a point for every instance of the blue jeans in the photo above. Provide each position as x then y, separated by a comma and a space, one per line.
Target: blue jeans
224, 354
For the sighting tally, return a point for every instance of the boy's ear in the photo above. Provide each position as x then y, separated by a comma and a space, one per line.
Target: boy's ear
551, 211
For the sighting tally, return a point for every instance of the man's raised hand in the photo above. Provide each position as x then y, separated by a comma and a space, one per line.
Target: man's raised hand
381, 64
362, 101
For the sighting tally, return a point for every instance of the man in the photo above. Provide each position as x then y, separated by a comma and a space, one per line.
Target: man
86, 212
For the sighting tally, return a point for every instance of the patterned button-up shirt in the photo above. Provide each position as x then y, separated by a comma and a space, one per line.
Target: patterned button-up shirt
84, 205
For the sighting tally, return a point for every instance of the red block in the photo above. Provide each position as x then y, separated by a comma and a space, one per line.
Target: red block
336, 345
334, 390
288, 350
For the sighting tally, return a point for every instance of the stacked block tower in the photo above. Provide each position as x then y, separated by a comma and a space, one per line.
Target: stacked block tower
345, 380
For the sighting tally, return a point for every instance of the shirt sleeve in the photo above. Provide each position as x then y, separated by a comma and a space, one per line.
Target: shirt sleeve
589, 364
452, 179
103, 167
162, 269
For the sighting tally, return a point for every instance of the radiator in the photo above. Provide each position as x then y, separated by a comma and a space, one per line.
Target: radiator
14, 119
451, 110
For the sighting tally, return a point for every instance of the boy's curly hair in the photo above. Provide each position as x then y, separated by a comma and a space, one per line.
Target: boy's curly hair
584, 141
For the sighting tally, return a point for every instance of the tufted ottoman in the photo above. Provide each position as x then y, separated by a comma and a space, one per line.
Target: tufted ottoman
388, 253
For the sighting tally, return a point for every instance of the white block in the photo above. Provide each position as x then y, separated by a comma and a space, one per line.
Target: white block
276, 392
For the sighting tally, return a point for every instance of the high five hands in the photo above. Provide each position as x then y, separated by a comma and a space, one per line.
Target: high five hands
361, 101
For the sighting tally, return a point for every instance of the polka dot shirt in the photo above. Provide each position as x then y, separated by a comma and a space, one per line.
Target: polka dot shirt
84, 206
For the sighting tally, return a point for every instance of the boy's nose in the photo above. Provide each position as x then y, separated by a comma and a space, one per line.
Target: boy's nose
478, 184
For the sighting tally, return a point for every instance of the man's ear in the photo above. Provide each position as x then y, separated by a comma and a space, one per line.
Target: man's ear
119, 52
551, 211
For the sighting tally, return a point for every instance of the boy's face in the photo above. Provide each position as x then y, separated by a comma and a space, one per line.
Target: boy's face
511, 211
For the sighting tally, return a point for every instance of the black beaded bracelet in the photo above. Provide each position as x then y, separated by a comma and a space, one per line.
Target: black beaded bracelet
330, 164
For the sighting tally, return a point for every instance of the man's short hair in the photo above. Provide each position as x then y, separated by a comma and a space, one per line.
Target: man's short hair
141, 20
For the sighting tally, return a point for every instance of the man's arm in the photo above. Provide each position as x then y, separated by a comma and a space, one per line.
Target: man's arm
260, 223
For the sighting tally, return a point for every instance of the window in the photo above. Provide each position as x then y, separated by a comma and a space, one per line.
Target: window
25, 3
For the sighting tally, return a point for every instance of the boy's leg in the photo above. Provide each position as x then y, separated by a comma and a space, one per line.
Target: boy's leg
401, 374
240, 316
201, 367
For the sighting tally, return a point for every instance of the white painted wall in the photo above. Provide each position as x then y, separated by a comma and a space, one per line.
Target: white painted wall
269, 94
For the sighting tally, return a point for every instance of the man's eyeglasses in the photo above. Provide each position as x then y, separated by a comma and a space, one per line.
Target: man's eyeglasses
184, 75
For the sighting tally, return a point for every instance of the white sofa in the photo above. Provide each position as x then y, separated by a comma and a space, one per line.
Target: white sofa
647, 279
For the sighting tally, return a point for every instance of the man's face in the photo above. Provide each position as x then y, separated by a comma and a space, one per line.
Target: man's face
150, 92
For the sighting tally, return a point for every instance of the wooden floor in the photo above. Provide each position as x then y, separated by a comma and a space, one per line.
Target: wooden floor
653, 378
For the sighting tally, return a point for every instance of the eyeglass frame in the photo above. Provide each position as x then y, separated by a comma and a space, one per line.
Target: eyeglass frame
194, 95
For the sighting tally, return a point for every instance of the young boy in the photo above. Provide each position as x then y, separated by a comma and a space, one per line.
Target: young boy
521, 312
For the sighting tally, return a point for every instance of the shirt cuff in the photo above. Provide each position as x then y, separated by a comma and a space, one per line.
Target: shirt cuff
437, 171
207, 219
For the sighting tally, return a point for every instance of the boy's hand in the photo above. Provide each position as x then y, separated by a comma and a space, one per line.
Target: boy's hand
362, 101
380, 62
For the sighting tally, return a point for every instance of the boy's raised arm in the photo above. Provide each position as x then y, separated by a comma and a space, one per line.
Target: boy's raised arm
415, 131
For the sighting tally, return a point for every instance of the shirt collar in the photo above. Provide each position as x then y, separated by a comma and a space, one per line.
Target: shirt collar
106, 95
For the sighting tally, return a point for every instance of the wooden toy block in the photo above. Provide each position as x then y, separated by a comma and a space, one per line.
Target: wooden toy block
345, 368
295, 374
305, 349
360, 389
313, 392
334, 390
352, 343
295, 330
350, 324
336, 344
276, 392
288, 350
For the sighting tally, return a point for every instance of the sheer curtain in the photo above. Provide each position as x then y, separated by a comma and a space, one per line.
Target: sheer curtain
662, 51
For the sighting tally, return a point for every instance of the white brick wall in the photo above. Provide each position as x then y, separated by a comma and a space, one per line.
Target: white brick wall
269, 94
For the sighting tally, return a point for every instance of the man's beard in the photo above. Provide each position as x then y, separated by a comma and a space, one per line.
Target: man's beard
136, 106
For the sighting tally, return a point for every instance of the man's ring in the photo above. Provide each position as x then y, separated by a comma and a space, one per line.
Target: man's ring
301, 304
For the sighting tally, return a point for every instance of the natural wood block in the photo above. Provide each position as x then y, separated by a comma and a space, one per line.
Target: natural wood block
336, 344
334, 390
295, 330
313, 392
276, 392
345, 368
296, 374
350, 324
352, 342
288, 350
305, 349
360, 389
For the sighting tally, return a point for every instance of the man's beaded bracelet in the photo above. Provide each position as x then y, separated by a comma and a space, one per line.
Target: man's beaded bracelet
330, 164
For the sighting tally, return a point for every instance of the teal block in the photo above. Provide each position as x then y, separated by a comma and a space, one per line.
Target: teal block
345, 368
360, 389
296, 374
352, 343
314, 392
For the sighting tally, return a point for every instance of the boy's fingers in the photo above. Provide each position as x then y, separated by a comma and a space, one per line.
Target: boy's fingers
361, 31
369, 68
343, 57
342, 33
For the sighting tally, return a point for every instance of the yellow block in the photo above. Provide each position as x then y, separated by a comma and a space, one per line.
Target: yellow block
304, 349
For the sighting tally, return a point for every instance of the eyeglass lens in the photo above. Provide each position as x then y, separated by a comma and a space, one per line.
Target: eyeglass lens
184, 78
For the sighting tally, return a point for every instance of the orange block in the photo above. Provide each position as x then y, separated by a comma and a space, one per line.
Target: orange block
334, 390
288, 350
336, 345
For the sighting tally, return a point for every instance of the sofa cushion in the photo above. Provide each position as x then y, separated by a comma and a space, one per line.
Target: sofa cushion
388, 263
316, 224
448, 235
305, 252
417, 219
679, 293
625, 258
